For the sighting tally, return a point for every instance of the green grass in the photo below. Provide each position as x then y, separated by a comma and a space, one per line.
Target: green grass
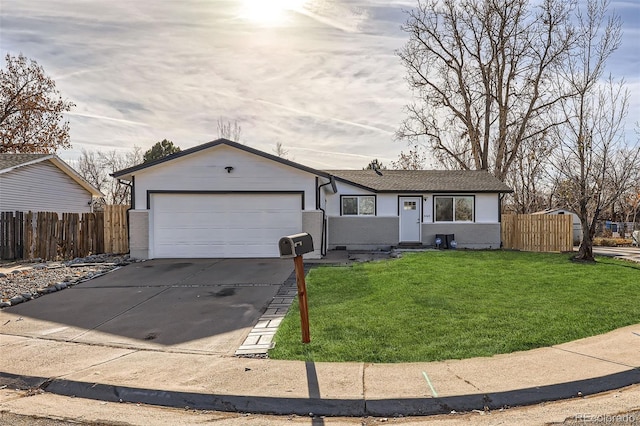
458, 304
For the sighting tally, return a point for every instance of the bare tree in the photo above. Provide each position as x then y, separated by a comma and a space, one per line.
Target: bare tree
484, 73
375, 165
630, 201
529, 177
280, 151
595, 163
229, 130
31, 109
95, 167
415, 159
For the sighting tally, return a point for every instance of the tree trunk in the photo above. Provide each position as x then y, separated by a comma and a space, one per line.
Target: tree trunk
585, 252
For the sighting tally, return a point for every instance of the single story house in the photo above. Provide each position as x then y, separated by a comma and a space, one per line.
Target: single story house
577, 226
225, 199
43, 183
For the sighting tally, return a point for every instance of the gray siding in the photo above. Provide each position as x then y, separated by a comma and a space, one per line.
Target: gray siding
42, 187
312, 224
363, 233
467, 235
139, 234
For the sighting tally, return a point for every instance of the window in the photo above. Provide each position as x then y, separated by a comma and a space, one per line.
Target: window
358, 205
409, 205
454, 209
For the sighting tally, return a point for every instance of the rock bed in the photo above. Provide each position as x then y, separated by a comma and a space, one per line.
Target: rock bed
39, 278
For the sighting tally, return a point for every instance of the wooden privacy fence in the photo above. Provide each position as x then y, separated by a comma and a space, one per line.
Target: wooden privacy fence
116, 235
11, 235
537, 232
48, 236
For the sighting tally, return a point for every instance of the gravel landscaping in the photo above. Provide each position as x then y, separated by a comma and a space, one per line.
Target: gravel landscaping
22, 281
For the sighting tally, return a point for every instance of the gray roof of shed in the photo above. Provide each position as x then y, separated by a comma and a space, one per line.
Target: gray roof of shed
423, 180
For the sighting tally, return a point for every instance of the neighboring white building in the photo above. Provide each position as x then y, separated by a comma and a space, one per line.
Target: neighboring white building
224, 199
577, 226
43, 183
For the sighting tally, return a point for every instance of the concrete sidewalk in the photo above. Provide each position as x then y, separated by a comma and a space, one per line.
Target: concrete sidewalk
223, 383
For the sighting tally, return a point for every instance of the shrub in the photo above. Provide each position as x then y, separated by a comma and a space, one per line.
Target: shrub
611, 242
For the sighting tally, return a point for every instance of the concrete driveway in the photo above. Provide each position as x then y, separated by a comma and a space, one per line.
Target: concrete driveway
173, 305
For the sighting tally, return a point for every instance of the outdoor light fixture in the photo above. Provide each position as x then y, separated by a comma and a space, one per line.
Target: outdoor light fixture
228, 169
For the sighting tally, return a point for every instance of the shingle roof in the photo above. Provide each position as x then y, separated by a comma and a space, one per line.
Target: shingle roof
8, 161
128, 172
423, 180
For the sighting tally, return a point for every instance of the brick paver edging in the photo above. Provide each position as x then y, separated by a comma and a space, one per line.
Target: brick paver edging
260, 338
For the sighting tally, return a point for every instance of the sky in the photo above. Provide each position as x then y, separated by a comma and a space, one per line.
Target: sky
321, 77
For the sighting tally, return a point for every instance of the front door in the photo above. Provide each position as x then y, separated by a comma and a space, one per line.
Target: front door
410, 219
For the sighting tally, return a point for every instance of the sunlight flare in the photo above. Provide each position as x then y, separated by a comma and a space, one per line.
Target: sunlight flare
269, 12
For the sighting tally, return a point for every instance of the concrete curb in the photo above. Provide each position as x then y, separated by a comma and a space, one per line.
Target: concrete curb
325, 406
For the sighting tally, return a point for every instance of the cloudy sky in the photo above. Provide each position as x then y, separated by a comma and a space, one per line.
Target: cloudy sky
319, 76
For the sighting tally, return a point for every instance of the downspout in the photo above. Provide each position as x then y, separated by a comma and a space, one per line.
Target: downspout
323, 238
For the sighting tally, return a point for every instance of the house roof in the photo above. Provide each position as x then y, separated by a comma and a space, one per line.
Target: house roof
128, 172
422, 180
389, 181
10, 162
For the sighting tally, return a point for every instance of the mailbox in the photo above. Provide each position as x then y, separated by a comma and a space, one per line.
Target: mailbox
295, 245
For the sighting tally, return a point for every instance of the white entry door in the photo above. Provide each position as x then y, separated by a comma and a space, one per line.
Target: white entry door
410, 219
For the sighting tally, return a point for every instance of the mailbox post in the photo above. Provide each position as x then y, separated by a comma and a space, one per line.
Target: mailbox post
294, 246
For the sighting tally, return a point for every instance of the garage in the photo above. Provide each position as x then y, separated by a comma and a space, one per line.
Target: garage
222, 225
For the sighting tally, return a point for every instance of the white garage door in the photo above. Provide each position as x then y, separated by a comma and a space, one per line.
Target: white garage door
222, 225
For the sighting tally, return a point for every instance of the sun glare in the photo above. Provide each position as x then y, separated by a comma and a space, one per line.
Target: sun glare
269, 12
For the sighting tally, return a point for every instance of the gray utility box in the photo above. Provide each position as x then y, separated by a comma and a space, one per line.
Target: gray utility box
295, 245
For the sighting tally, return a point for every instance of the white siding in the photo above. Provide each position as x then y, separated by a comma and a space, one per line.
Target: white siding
205, 171
332, 201
42, 187
486, 208
486, 205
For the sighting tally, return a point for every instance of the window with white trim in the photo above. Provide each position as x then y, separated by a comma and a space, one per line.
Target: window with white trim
358, 205
454, 208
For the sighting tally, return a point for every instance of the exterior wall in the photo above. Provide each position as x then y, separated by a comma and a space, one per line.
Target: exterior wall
205, 171
312, 224
42, 187
467, 235
139, 234
382, 231
332, 201
363, 232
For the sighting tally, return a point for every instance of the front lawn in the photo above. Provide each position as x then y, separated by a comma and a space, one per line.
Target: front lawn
458, 304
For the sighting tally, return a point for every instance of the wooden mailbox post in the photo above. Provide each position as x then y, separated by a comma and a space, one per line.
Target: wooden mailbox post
294, 246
